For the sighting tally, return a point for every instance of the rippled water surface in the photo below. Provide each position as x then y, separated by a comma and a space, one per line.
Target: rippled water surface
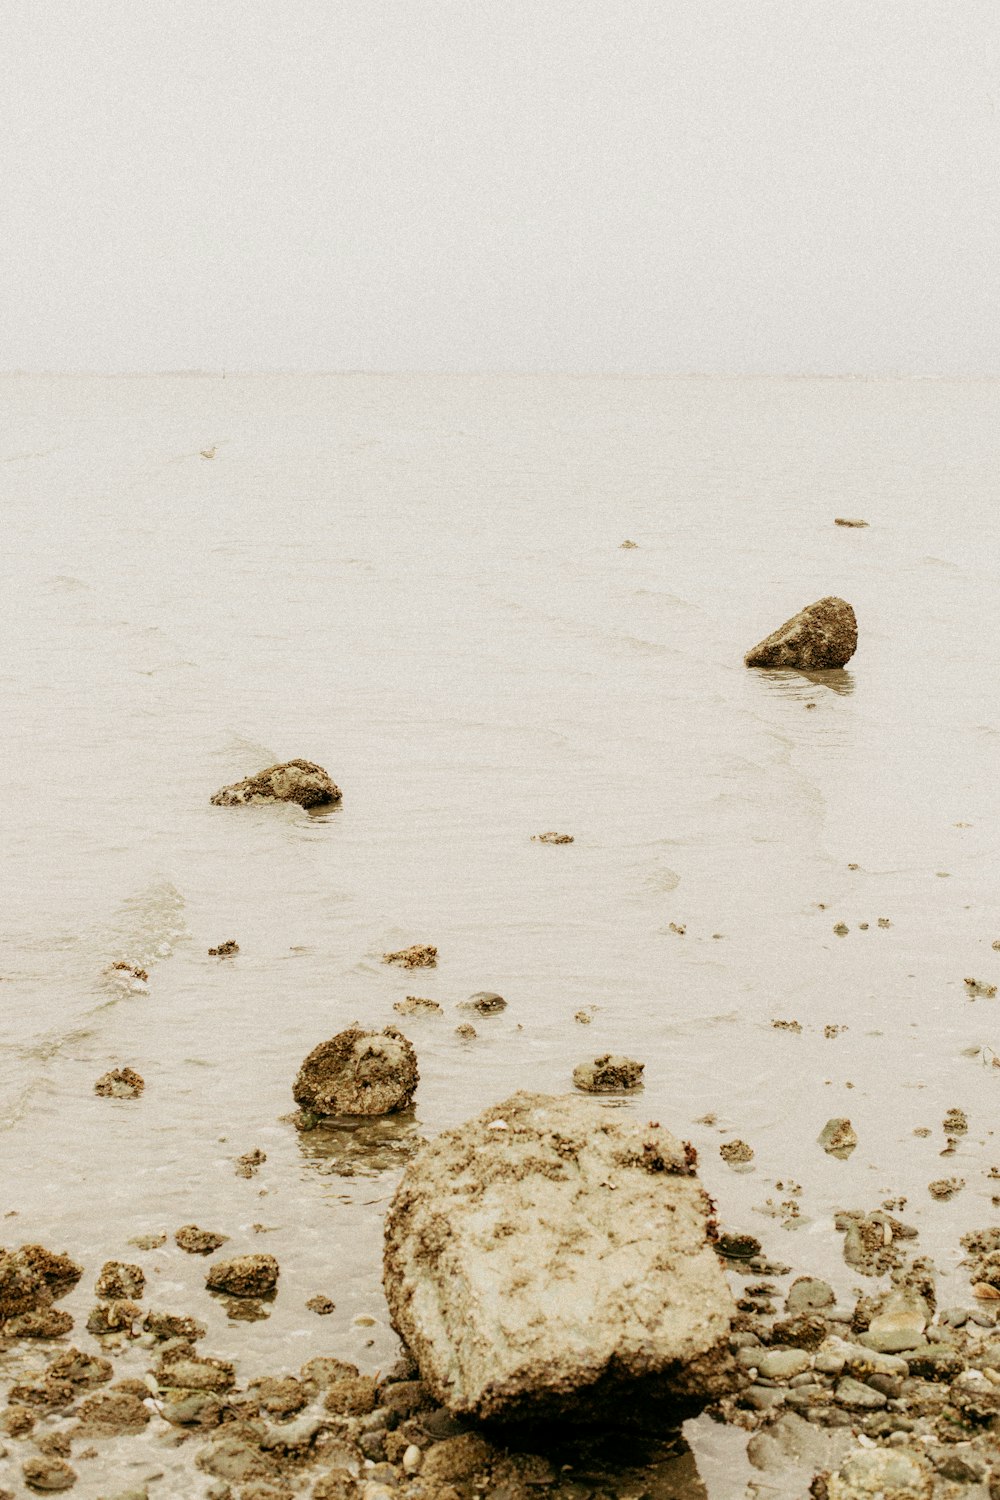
419, 583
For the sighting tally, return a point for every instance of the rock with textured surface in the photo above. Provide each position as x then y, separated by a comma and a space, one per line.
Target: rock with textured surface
244, 1275
358, 1073
608, 1073
882, 1474
821, 636
300, 781
551, 1258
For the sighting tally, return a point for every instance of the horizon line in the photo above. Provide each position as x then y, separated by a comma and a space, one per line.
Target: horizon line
224, 373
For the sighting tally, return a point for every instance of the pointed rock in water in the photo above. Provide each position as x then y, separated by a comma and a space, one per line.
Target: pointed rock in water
358, 1073
300, 781
549, 1258
821, 636
838, 1138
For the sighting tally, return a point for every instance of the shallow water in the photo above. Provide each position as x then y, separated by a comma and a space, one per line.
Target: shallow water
418, 582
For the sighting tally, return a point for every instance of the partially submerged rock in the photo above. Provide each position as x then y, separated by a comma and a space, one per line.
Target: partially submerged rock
300, 781
417, 956
552, 838
198, 1241
548, 1258
417, 1005
845, 521
484, 1003
228, 949
120, 1083
244, 1275
608, 1073
32, 1278
358, 1073
838, 1138
120, 1278
819, 637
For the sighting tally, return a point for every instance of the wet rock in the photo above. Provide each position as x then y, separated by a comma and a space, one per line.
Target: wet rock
336, 1484
416, 1005
736, 1153
118, 1315
418, 956
126, 973
841, 929
484, 1003
184, 1408
354, 1396
955, 1122
808, 1294
148, 1241
321, 1305
47, 1323
280, 1396
976, 1396
844, 521
120, 1083
119, 1278
790, 1440
976, 988
804, 1331
166, 1325
782, 1364
466, 1032
48, 1474
358, 1073
608, 1073
244, 1275
899, 1321
198, 1241
945, 1188
32, 1278
541, 1197
225, 950
872, 1241
838, 1138
181, 1369
235, 1457
819, 637
111, 1413
300, 781
552, 838
250, 1162
740, 1247
17, 1421
856, 1395
881, 1474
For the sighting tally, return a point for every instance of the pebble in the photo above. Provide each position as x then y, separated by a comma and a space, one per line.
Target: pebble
781, 1364
856, 1396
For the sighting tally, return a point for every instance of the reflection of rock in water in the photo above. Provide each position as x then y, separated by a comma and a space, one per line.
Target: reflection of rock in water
358, 1147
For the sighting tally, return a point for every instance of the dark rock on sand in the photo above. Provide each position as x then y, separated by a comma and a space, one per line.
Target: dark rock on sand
417, 1005
608, 1073
244, 1275
872, 1241
198, 1241
358, 1073
120, 1083
32, 1278
300, 781
46, 1323
119, 1315
225, 950
598, 1238
821, 636
250, 1162
552, 838
845, 521
321, 1305
736, 1153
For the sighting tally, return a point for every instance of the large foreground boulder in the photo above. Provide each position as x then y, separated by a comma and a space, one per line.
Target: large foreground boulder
300, 781
821, 636
358, 1073
552, 1258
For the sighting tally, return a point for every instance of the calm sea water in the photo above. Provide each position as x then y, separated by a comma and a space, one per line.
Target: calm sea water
419, 583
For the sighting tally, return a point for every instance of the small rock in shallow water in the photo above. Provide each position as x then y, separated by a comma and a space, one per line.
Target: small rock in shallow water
119, 1278
417, 956
249, 1163
955, 1122
846, 521
893, 1474
977, 988
321, 1305
198, 1241
120, 1083
822, 636
48, 1474
244, 1275
838, 1138
358, 1073
416, 1005
552, 838
841, 929
608, 1074
484, 1003
736, 1153
224, 950
945, 1188
466, 1032
300, 781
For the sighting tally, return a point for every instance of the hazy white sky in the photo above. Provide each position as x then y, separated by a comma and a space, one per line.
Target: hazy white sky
621, 185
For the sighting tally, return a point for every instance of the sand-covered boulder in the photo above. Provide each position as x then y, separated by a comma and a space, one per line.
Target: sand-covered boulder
822, 635
553, 1258
300, 781
358, 1073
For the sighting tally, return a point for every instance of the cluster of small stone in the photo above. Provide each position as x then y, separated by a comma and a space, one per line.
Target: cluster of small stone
889, 1396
